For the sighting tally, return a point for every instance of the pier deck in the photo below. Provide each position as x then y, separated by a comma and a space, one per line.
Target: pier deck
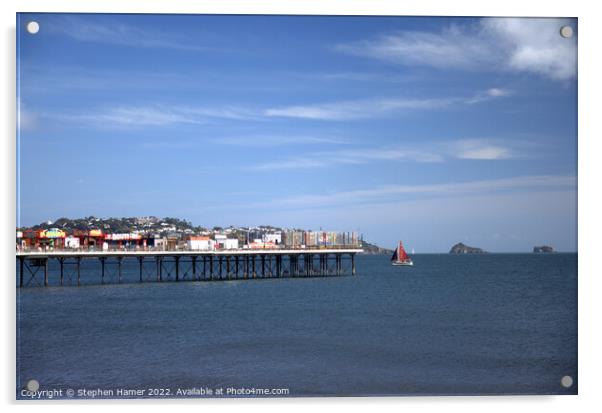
187, 265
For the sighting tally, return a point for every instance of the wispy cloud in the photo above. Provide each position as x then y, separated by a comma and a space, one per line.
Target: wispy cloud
155, 115
394, 192
358, 109
464, 149
349, 157
362, 77
489, 94
523, 45
165, 114
275, 140
454, 47
482, 149
111, 31
376, 108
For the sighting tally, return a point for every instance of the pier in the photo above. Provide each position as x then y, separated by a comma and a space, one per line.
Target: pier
183, 265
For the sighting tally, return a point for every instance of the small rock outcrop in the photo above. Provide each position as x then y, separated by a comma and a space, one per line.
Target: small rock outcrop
543, 248
460, 248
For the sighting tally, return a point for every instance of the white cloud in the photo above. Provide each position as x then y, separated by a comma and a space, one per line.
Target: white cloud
464, 149
374, 108
512, 44
489, 94
480, 149
161, 114
453, 47
155, 115
111, 31
534, 45
355, 156
496, 92
271, 141
355, 109
302, 163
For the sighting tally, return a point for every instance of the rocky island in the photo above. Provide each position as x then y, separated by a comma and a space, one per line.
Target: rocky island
543, 248
460, 248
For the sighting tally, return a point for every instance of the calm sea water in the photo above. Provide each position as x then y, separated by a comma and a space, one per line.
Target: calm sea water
479, 324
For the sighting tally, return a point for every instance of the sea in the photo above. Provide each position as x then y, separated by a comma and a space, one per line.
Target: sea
490, 324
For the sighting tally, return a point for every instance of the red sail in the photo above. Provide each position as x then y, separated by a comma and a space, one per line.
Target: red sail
401, 253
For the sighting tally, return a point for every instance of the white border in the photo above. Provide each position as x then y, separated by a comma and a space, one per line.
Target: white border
590, 203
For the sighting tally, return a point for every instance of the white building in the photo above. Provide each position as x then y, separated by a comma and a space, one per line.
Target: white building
160, 243
71, 242
222, 242
275, 238
199, 243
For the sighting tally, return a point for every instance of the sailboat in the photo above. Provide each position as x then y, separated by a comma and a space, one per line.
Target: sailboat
400, 257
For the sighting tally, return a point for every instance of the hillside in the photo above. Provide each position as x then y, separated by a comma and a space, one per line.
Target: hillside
375, 249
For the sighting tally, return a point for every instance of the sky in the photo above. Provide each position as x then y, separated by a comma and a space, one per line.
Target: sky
426, 129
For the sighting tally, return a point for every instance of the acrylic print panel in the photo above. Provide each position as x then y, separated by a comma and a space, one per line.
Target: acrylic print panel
290, 206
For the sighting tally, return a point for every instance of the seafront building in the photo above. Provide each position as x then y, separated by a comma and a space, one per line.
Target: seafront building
171, 240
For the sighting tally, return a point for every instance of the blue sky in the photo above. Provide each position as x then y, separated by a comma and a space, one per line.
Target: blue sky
430, 130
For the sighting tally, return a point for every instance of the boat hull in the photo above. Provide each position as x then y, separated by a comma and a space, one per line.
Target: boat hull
402, 263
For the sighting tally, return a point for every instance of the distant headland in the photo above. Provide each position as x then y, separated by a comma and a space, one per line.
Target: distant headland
374, 249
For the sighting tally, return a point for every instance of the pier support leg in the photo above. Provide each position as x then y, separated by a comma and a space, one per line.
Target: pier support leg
102, 269
21, 265
204, 267
307, 264
246, 266
278, 266
228, 266
177, 264
194, 267
79, 260
62, 264
46, 272
119, 269
236, 265
140, 260
262, 266
220, 266
352, 264
158, 270
254, 272
211, 267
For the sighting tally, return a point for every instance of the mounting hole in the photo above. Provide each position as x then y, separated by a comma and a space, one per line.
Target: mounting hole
33, 27
566, 381
33, 385
566, 31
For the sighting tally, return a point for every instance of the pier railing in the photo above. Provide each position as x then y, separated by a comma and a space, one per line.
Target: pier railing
183, 249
